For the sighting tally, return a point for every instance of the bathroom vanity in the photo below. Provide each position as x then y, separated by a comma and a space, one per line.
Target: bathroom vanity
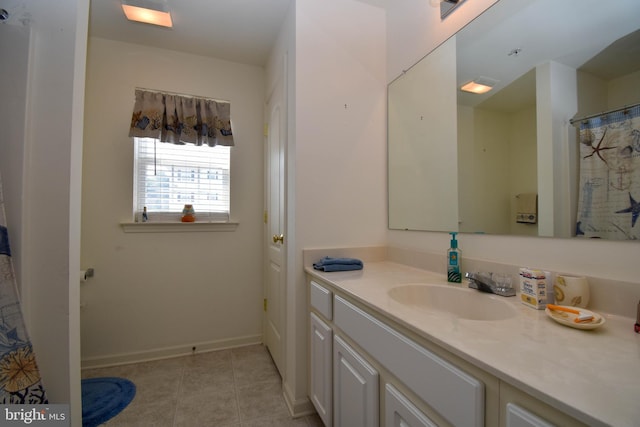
379, 354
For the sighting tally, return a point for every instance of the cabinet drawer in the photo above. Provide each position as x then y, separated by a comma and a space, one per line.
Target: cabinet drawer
454, 394
321, 299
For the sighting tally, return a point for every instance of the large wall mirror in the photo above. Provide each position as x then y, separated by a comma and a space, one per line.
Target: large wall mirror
507, 161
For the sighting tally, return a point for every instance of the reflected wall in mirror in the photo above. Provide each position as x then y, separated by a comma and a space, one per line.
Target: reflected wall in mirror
476, 163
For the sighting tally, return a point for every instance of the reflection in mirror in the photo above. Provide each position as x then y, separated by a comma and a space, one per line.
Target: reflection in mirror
414, 184
447, 6
497, 157
506, 162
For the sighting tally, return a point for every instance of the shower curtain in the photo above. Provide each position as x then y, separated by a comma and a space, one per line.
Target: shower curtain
20, 381
609, 192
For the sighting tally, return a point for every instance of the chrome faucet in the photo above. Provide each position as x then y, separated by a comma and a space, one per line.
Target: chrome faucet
492, 283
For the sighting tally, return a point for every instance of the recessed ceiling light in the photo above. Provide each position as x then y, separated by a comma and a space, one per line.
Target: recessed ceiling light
148, 12
479, 85
474, 87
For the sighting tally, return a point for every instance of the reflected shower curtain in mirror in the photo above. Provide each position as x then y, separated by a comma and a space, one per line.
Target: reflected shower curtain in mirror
609, 192
19, 375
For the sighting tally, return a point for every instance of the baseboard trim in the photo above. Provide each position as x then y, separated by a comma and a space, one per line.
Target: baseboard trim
297, 408
168, 352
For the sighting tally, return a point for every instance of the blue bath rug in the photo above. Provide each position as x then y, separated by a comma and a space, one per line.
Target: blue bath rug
104, 398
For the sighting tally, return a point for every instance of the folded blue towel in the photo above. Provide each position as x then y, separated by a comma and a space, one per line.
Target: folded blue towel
339, 267
338, 264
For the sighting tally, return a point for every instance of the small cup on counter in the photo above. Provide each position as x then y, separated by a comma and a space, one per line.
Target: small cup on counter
503, 282
571, 290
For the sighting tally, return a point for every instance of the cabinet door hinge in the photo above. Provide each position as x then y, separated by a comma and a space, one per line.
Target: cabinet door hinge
264, 304
266, 217
265, 129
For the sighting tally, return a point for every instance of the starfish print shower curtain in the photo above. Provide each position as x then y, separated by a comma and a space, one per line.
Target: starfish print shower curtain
20, 381
609, 191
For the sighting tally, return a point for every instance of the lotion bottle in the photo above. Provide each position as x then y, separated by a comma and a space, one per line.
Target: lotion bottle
453, 261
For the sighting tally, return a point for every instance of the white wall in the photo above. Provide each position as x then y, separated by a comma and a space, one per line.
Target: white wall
597, 95
422, 131
340, 153
14, 44
497, 160
414, 29
43, 183
593, 94
75, 205
51, 241
615, 260
523, 164
162, 293
556, 103
624, 90
484, 157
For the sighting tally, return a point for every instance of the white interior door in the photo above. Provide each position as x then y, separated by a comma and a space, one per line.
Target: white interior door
275, 215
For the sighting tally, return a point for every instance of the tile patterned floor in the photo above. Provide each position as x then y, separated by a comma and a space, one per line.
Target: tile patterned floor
239, 387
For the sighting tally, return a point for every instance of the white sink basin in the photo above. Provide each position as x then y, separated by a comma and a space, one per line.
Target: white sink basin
464, 303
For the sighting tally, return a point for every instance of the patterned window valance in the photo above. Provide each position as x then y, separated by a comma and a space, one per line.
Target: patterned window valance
181, 119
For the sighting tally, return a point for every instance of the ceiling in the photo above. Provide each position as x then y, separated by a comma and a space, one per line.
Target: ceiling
600, 40
241, 31
18, 12
245, 31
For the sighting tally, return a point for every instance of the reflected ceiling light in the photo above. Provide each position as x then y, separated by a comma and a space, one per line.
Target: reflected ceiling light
148, 12
479, 85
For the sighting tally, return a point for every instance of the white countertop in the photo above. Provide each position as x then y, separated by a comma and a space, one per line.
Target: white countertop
592, 375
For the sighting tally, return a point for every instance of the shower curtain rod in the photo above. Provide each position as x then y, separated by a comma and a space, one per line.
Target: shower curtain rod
604, 113
182, 94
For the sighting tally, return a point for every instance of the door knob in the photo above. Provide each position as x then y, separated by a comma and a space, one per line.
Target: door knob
278, 238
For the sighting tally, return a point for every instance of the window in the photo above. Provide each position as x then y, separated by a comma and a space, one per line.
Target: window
168, 176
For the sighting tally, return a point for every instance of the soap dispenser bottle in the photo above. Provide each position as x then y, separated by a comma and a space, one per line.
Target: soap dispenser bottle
453, 261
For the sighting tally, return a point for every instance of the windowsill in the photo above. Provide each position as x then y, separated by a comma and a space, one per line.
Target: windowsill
177, 227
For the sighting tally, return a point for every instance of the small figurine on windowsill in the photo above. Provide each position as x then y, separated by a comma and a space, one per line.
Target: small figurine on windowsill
188, 214
145, 217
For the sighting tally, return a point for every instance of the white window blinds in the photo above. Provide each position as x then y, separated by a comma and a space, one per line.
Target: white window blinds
168, 176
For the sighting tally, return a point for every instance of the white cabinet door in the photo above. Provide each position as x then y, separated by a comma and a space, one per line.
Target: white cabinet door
450, 391
400, 412
321, 363
518, 417
355, 388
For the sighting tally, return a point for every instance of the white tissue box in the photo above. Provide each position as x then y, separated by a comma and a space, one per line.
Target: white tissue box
533, 288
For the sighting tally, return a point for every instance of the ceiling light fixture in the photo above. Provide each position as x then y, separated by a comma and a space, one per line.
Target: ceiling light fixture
479, 86
148, 12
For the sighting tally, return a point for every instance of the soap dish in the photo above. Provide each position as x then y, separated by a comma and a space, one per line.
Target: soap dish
568, 319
